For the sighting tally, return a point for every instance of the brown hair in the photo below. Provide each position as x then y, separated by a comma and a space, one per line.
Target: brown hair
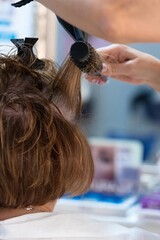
43, 154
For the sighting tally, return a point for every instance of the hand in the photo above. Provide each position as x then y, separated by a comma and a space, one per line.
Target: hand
129, 65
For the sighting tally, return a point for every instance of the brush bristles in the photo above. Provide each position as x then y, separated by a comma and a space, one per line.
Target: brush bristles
85, 58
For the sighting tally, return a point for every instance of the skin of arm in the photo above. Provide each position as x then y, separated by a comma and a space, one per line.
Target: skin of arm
129, 65
120, 21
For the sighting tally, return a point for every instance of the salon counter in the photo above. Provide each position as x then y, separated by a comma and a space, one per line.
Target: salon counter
134, 216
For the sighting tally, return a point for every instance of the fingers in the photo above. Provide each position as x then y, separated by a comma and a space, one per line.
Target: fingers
95, 79
117, 53
111, 70
121, 78
118, 62
117, 69
98, 79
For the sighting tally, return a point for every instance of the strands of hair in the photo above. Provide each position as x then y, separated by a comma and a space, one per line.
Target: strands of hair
82, 53
66, 79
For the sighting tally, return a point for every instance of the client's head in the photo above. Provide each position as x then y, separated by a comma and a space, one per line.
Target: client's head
43, 153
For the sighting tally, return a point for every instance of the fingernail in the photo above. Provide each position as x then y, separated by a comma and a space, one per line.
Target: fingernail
97, 81
100, 82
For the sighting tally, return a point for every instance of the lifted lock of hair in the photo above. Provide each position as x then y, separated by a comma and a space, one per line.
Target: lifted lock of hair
83, 55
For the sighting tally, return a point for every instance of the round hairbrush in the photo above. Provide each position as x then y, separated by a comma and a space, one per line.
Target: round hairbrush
87, 59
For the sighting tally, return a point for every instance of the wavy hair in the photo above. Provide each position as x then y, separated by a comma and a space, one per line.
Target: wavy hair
43, 153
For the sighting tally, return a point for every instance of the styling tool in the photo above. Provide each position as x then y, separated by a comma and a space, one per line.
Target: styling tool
21, 3
82, 53
25, 52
